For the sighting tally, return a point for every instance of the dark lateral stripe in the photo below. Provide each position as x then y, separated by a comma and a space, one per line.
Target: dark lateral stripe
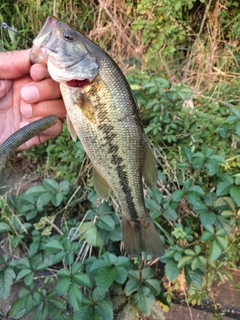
108, 131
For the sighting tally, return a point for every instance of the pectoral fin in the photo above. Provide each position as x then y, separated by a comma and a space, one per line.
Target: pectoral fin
71, 129
101, 186
150, 172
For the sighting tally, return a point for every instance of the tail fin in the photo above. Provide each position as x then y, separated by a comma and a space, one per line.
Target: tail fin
141, 238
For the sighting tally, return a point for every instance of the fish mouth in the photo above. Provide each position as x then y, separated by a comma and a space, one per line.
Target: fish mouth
44, 41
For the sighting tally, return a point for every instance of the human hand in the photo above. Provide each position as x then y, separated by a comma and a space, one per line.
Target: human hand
27, 93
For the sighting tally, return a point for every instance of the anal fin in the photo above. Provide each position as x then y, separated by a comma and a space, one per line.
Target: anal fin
100, 184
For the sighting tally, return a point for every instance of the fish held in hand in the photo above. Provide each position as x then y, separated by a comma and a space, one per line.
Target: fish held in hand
102, 112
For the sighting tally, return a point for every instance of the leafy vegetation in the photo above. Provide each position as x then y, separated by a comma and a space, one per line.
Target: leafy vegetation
60, 241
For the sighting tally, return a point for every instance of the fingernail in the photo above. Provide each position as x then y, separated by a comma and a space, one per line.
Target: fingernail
26, 109
23, 124
30, 93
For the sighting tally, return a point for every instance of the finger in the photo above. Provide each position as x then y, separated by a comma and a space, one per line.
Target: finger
5, 85
14, 64
43, 137
47, 89
43, 109
39, 72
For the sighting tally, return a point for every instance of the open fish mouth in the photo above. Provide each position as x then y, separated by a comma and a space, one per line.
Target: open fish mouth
44, 41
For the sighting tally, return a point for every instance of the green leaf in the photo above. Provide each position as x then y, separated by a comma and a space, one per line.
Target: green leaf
178, 195
223, 188
82, 279
147, 273
207, 218
145, 299
170, 213
121, 275
132, 285
196, 263
43, 200
184, 260
6, 280
210, 199
235, 194
29, 279
53, 246
122, 261
222, 242
106, 222
237, 128
172, 270
153, 285
50, 184
93, 237
62, 286
74, 296
4, 227
98, 264
105, 309
197, 189
23, 273
57, 199
214, 251
105, 277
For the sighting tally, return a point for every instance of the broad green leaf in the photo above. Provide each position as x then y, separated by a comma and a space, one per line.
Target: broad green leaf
98, 295
237, 128
53, 246
178, 195
110, 258
57, 199
106, 222
99, 264
4, 227
196, 263
153, 285
105, 277
145, 299
43, 200
186, 151
6, 280
105, 309
184, 260
50, 184
223, 188
189, 252
222, 242
76, 267
172, 270
29, 279
197, 189
23, 273
121, 275
82, 279
93, 237
170, 213
134, 274
63, 273
62, 286
207, 218
122, 261
210, 199
74, 296
235, 194
147, 273
214, 251
132, 285
18, 309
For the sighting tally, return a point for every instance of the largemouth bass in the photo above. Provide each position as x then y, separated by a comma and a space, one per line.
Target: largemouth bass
102, 112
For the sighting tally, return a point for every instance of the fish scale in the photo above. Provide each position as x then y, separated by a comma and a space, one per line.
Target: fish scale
102, 112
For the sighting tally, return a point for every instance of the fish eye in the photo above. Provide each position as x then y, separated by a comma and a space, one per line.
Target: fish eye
69, 35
